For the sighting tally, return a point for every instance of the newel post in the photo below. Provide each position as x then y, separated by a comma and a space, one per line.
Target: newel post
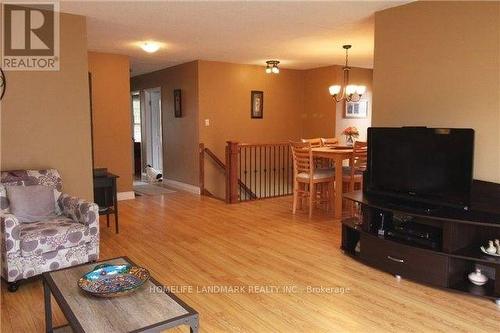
202, 168
231, 172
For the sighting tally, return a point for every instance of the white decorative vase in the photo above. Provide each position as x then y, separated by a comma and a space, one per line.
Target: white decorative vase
491, 249
478, 278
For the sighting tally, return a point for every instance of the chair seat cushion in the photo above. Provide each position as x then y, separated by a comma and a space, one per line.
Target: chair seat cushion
318, 174
52, 234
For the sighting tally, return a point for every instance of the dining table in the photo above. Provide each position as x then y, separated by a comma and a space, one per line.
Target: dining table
337, 154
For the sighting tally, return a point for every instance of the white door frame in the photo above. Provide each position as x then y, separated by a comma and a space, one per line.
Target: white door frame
132, 94
152, 128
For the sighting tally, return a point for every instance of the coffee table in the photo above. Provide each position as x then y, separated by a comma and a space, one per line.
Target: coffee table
151, 308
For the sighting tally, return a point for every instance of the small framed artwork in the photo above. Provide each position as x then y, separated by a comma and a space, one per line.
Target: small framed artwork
356, 109
257, 104
177, 103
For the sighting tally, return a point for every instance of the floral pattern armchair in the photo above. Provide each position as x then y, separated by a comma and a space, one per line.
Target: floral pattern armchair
28, 249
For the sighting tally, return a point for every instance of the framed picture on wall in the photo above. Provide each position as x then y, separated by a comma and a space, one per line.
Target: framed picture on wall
356, 109
177, 103
257, 104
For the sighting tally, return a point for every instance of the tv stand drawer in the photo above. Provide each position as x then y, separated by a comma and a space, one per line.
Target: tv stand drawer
408, 261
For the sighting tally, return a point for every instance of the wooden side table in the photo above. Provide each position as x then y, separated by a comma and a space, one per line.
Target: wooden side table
105, 196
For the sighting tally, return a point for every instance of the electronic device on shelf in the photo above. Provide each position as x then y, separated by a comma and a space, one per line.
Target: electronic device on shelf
405, 228
381, 228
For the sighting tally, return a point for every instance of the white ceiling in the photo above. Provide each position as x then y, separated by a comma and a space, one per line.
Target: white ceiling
301, 34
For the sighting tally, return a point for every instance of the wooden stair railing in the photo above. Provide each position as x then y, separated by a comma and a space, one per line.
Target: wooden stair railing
265, 168
204, 150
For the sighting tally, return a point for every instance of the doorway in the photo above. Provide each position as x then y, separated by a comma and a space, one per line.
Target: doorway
147, 131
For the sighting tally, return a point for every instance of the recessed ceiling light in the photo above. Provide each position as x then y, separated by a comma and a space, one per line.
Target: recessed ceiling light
150, 47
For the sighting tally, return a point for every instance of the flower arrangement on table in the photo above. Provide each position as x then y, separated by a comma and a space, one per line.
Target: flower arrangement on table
350, 133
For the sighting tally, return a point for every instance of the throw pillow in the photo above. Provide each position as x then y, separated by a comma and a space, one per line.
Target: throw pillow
31, 203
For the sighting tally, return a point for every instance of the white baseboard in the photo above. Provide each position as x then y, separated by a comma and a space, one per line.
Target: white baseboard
125, 195
182, 186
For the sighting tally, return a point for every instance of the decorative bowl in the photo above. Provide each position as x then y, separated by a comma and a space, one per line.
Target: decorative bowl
108, 280
486, 252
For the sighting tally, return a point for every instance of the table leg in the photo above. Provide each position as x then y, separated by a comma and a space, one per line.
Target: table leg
115, 199
194, 325
350, 204
107, 206
337, 203
116, 221
48, 307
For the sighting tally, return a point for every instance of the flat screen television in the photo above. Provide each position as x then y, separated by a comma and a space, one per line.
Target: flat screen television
429, 165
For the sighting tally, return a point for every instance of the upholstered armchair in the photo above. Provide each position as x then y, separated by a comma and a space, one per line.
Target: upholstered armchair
68, 238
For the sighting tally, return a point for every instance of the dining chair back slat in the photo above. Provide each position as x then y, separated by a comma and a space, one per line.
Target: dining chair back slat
360, 156
328, 142
315, 142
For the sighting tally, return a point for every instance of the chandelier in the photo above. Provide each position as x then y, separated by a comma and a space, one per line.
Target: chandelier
348, 92
272, 67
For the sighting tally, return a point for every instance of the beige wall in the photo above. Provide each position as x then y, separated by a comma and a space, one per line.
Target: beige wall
45, 116
323, 117
180, 135
438, 64
224, 90
112, 135
319, 108
224, 97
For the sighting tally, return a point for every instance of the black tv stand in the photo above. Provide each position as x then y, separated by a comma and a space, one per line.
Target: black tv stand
417, 207
445, 260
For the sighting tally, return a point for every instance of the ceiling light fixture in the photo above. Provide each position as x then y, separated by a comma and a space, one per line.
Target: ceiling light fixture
350, 92
150, 47
272, 67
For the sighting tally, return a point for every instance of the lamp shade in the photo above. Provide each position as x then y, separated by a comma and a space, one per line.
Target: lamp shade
360, 90
351, 89
334, 90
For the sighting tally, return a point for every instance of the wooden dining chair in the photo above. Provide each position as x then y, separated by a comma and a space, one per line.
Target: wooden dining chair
315, 142
329, 142
353, 175
318, 161
314, 184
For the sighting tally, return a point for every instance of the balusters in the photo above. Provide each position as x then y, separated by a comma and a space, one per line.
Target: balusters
265, 171
260, 172
245, 171
255, 169
240, 170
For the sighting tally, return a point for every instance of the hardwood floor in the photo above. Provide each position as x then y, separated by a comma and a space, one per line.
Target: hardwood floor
185, 240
